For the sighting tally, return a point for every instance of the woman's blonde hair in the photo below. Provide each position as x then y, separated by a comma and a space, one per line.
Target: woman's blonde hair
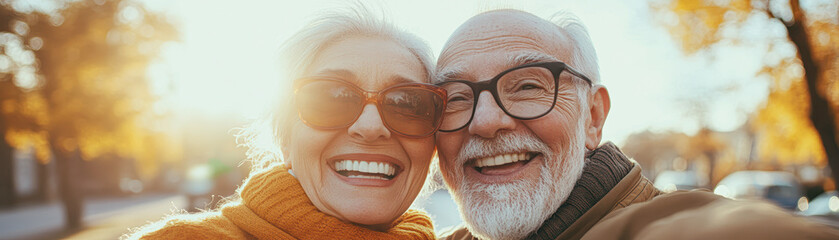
264, 137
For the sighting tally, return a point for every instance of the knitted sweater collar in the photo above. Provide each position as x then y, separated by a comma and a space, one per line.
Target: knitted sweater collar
604, 168
274, 206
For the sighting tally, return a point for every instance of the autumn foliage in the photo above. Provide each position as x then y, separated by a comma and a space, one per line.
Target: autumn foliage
74, 86
797, 123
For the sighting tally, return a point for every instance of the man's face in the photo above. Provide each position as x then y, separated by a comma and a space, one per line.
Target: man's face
511, 200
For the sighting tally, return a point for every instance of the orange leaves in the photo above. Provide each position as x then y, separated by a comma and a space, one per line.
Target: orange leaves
697, 24
94, 94
782, 127
785, 132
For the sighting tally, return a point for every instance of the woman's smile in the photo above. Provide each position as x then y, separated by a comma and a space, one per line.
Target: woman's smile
366, 169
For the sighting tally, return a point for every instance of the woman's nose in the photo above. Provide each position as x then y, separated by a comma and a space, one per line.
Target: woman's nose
369, 127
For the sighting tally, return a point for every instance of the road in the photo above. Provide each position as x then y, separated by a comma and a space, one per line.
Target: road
105, 218
109, 218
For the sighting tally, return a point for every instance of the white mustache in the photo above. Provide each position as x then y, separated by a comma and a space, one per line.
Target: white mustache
505, 142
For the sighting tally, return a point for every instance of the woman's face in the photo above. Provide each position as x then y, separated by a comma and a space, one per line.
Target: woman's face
373, 64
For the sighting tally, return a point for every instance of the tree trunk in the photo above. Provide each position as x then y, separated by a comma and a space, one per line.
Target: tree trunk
44, 185
8, 195
68, 164
712, 165
821, 113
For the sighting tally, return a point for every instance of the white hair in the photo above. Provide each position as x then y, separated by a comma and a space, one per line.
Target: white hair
263, 137
584, 57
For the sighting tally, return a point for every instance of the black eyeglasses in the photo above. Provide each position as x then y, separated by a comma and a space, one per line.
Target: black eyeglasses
525, 92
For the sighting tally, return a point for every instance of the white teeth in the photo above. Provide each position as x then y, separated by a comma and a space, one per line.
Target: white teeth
366, 167
501, 159
362, 167
379, 167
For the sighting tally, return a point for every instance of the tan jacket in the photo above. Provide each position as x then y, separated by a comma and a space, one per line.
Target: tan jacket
632, 189
634, 209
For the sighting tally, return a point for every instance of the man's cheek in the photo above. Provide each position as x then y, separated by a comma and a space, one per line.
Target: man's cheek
554, 129
448, 144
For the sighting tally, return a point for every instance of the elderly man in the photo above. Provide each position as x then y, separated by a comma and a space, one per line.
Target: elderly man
520, 147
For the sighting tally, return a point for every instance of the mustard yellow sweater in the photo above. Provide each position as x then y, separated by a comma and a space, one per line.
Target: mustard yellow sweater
274, 206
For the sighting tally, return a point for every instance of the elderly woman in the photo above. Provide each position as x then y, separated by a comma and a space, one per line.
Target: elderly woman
356, 147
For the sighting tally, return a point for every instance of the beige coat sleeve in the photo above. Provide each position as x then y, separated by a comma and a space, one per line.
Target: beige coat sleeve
703, 215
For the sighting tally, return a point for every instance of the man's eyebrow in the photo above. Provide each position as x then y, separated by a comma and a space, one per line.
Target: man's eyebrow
449, 73
530, 57
456, 72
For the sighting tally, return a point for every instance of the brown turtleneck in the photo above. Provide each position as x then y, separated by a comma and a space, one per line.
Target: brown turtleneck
609, 182
605, 167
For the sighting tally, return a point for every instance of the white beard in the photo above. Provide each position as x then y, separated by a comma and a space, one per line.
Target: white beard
515, 210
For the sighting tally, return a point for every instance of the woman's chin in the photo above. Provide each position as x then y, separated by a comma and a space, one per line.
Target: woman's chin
372, 217
362, 204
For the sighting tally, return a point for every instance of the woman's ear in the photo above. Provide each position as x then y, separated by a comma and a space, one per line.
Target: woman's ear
281, 139
284, 151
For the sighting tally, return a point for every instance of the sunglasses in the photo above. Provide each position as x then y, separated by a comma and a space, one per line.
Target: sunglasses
410, 109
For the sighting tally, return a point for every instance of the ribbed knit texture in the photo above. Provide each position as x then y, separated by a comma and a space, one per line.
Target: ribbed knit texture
605, 167
273, 205
276, 198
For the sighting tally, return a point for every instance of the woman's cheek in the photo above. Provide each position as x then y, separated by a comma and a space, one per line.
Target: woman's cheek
306, 154
419, 152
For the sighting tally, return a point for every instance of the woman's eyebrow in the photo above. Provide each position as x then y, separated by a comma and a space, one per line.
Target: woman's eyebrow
397, 79
340, 73
350, 77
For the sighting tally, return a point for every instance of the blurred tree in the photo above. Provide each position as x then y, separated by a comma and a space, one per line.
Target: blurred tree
22, 111
704, 145
82, 72
700, 152
655, 152
798, 121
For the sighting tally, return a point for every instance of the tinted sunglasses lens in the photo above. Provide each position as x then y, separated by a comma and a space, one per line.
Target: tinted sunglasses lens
412, 111
328, 104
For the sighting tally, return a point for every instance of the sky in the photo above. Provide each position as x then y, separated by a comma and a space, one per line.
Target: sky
226, 60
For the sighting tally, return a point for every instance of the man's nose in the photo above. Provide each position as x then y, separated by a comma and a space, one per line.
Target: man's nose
369, 126
489, 118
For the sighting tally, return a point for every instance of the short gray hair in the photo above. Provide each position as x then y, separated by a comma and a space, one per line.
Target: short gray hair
296, 56
584, 57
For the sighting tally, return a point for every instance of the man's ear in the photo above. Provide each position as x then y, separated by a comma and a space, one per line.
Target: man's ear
598, 110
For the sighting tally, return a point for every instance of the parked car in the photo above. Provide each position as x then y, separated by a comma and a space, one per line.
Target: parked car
779, 187
669, 181
824, 208
825, 204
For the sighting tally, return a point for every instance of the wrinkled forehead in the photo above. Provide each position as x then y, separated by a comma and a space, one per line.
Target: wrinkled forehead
503, 39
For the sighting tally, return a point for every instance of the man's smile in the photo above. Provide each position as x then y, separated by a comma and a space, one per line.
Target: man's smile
503, 163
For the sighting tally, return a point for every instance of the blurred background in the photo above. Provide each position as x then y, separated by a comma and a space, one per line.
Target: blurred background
114, 113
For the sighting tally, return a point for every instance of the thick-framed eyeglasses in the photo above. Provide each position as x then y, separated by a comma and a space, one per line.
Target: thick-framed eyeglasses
524, 92
409, 109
